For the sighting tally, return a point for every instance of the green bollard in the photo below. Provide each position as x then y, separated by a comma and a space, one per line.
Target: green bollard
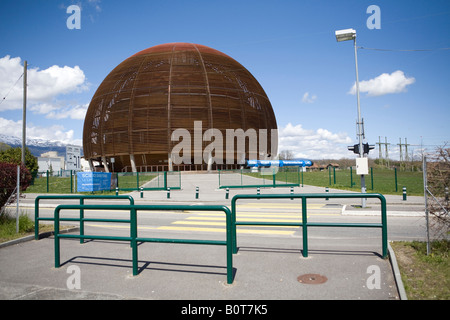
227, 194
142, 192
168, 193
326, 190
404, 193
196, 192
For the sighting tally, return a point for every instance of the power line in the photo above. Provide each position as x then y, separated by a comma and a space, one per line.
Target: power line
4, 98
403, 50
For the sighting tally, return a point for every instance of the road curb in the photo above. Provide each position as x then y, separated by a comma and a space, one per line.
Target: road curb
31, 237
397, 275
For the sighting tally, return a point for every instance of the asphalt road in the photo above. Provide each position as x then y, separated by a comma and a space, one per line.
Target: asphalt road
268, 265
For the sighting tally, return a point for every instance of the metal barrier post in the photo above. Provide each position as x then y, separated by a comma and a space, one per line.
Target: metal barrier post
384, 233
304, 228
142, 192
57, 241
81, 221
168, 193
133, 235
196, 192
404, 193
227, 194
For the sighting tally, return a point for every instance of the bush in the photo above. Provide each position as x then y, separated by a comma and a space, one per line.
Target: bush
8, 180
14, 155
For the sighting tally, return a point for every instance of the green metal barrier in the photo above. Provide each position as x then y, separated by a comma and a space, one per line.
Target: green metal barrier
305, 224
70, 197
131, 181
267, 178
134, 239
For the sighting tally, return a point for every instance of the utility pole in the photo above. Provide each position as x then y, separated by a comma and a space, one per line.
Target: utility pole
401, 155
380, 144
406, 150
380, 153
24, 122
401, 150
386, 146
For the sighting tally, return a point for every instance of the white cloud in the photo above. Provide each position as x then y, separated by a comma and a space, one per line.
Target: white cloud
43, 86
77, 112
308, 99
95, 4
313, 144
384, 84
52, 133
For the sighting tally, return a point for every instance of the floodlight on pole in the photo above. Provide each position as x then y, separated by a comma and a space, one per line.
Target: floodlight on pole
345, 35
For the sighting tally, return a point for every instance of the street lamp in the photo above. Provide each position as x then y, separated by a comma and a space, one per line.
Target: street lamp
344, 35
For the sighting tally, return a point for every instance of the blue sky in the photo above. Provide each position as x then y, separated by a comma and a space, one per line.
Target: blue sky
289, 46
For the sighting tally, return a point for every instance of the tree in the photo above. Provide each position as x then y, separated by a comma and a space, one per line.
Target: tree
14, 155
438, 183
286, 155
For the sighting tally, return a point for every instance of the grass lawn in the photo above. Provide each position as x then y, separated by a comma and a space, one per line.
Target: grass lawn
383, 181
8, 227
26, 227
424, 277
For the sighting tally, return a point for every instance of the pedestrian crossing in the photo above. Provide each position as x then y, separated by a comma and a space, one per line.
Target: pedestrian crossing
214, 221
203, 221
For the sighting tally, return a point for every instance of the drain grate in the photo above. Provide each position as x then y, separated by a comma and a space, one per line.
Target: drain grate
312, 278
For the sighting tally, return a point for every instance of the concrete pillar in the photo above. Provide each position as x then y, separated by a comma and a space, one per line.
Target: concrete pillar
91, 165
210, 161
133, 163
170, 162
105, 164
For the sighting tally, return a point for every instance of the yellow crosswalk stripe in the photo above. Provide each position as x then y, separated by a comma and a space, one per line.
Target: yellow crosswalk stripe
280, 205
266, 215
222, 224
280, 232
213, 221
199, 229
246, 219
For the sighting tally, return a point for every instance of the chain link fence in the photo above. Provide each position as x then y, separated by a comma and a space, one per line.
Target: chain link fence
436, 169
65, 181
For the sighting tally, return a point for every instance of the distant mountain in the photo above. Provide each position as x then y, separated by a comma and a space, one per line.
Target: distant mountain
36, 146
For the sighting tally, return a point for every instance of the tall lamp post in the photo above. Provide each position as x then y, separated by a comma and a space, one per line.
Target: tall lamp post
344, 35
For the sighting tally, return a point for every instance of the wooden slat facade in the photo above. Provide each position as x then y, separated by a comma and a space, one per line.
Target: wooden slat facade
166, 87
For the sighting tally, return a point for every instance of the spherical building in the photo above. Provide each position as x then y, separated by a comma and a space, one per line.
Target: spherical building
146, 98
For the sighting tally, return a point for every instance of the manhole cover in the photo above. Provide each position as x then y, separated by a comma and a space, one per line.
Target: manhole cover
312, 278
